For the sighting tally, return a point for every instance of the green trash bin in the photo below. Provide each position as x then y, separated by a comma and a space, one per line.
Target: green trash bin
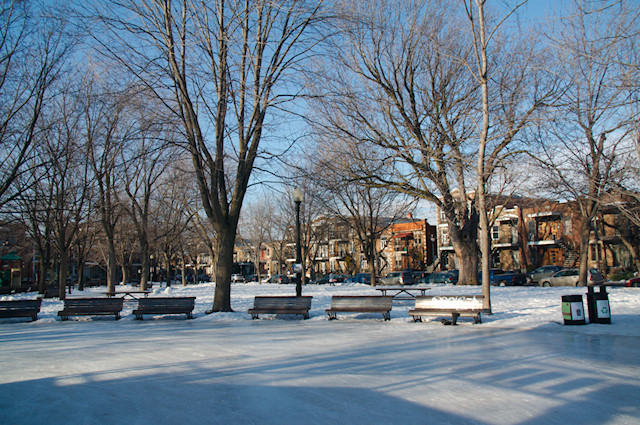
598, 306
573, 310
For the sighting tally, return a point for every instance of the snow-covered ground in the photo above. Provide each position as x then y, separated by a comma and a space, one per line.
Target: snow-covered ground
520, 366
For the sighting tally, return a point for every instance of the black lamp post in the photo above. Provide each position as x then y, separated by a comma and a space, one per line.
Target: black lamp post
298, 197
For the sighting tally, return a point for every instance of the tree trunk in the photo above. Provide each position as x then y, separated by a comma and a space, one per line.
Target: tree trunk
62, 275
467, 253
111, 267
633, 251
144, 266
224, 267
585, 233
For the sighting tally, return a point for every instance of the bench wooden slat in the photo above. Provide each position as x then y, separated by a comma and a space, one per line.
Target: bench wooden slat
20, 308
91, 307
454, 305
280, 305
360, 304
165, 305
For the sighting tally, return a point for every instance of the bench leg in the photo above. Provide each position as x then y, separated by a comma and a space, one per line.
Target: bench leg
189, 316
254, 316
306, 315
477, 319
138, 316
332, 316
387, 316
417, 319
117, 316
454, 318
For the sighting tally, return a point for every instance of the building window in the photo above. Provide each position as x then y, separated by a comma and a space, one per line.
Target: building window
444, 237
566, 225
495, 232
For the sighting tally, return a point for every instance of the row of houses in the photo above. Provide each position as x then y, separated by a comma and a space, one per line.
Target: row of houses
528, 233
525, 234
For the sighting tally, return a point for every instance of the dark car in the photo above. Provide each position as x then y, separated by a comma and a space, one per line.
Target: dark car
336, 278
321, 280
541, 272
439, 278
361, 278
278, 278
499, 277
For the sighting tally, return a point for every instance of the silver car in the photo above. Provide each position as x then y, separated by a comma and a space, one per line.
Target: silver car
570, 277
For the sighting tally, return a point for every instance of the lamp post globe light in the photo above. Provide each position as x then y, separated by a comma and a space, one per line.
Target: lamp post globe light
298, 197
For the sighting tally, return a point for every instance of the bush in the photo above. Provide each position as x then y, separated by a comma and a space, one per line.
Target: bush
620, 275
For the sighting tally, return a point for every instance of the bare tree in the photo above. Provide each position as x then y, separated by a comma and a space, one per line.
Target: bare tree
510, 96
399, 82
34, 195
69, 181
256, 221
32, 49
145, 159
588, 132
219, 67
172, 215
366, 208
106, 132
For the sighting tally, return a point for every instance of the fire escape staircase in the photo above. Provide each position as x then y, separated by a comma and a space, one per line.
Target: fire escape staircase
571, 256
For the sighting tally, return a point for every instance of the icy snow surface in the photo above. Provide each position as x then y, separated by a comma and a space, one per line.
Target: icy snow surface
520, 366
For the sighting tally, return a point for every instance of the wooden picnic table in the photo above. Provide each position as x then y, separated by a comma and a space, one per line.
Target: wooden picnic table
125, 293
397, 292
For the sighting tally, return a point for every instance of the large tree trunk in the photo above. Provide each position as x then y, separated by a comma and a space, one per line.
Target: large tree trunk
467, 253
224, 267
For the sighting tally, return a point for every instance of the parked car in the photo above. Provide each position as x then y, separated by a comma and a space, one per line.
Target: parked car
634, 282
569, 277
499, 277
361, 278
331, 278
337, 278
278, 278
398, 278
542, 272
236, 278
321, 280
438, 278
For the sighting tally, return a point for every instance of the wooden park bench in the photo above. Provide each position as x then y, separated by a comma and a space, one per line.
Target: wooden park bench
280, 305
360, 304
454, 305
165, 305
91, 307
20, 308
